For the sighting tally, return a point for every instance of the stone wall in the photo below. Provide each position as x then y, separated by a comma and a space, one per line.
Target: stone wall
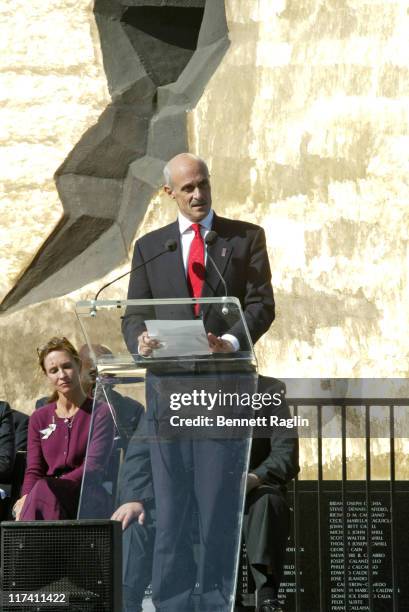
53, 88
304, 124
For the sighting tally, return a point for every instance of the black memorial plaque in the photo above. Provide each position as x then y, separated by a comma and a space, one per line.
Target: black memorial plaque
351, 556
369, 566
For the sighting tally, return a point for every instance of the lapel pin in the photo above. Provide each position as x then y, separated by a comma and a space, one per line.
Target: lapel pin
224, 251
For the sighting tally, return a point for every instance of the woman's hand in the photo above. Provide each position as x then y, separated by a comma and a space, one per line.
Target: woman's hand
18, 506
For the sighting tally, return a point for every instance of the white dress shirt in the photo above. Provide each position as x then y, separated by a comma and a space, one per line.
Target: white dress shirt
187, 234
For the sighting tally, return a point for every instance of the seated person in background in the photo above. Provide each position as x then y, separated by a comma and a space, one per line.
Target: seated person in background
20, 430
137, 518
57, 439
20, 439
127, 410
6, 452
7, 447
266, 521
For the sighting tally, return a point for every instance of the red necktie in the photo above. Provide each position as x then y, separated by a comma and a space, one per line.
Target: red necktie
195, 266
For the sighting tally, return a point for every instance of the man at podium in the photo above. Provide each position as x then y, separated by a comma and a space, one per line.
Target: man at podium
239, 253
191, 478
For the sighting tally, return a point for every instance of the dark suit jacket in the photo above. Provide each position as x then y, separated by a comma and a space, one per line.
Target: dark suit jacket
136, 475
20, 430
6, 442
274, 459
241, 256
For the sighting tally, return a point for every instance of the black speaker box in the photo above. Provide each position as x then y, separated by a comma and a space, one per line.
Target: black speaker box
65, 566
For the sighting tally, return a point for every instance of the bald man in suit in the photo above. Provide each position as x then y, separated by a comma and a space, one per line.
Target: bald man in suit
239, 253
241, 256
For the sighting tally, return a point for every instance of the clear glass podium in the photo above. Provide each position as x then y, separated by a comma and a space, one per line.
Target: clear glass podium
176, 475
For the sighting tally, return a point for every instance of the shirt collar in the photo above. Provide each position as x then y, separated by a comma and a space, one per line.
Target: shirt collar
185, 224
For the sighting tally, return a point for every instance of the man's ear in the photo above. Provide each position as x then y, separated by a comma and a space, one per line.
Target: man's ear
168, 189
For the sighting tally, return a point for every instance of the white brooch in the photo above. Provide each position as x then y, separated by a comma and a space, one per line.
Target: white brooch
48, 431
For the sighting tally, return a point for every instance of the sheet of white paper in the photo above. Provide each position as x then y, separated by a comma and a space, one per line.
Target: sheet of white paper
178, 338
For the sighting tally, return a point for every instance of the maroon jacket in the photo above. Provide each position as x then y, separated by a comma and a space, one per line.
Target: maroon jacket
62, 454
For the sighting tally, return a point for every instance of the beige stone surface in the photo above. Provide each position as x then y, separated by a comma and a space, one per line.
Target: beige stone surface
305, 128
52, 88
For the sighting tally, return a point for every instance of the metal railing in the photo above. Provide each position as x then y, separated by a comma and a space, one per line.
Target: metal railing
324, 602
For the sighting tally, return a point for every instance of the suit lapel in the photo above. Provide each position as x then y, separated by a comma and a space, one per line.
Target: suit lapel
175, 271
220, 252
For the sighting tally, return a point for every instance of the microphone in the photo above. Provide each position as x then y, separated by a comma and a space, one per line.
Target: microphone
170, 245
211, 238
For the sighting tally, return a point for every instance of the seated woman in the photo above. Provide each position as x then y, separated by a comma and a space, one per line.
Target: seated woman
57, 440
